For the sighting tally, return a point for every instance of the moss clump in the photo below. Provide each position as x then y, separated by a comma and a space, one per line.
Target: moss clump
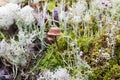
113, 74
62, 43
117, 49
52, 59
85, 43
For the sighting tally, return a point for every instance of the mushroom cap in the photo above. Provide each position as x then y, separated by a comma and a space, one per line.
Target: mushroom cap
3, 2
54, 31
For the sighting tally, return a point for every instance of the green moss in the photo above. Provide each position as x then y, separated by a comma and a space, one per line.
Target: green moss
81, 32
52, 59
62, 43
1, 37
85, 43
113, 74
94, 28
4, 36
99, 73
117, 49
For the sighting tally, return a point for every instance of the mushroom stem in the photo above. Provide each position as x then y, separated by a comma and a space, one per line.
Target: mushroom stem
56, 43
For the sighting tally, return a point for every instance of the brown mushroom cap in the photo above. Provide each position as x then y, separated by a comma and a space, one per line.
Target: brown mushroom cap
54, 31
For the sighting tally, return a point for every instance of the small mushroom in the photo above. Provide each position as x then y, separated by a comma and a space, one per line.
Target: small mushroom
54, 31
52, 35
50, 39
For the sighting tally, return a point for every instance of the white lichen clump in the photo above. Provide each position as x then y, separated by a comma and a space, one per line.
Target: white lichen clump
78, 10
105, 56
4, 48
13, 52
8, 15
58, 74
11, 13
17, 52
26, 14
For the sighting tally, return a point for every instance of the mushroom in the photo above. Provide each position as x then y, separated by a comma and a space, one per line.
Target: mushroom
52, 35
54, 31
50, 39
